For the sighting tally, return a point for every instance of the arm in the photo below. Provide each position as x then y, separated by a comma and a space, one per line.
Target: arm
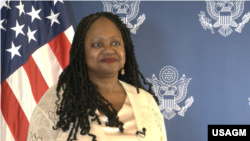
40, 128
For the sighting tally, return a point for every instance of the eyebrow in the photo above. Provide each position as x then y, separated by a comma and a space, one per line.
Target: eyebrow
103, 38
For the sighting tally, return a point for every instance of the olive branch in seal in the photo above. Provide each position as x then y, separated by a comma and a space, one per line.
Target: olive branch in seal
205, 22
245, 19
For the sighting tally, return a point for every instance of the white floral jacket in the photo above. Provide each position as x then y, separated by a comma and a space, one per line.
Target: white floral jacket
146, 111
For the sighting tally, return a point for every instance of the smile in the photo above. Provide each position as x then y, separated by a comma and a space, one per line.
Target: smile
109, 60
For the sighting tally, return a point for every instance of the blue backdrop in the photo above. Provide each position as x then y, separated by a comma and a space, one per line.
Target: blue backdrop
171, 42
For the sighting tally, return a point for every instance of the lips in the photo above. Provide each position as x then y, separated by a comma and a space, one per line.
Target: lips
109, 60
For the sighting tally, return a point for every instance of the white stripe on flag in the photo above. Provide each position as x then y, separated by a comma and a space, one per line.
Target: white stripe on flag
20, 85
5, 131
48, 64
70, 34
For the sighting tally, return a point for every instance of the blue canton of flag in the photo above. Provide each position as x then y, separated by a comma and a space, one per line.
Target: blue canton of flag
36, 37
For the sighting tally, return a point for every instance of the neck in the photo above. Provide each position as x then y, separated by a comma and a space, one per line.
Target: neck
108, 84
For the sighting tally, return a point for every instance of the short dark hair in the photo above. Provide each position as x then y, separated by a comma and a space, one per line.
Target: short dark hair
80, 97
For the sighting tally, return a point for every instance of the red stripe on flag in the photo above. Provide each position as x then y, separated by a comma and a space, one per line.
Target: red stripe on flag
61, 47
37, 82
13, 113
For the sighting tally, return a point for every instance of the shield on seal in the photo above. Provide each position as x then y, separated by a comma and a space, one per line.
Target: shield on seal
127, 10
225, 18
168, 101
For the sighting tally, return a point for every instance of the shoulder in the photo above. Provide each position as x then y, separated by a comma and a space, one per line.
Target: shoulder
47, 104
49, 98
44, 117
47, 107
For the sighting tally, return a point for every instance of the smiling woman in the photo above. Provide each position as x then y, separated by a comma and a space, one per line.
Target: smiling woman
99, 95
104, 49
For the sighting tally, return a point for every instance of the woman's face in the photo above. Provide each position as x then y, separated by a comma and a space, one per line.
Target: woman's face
104, 48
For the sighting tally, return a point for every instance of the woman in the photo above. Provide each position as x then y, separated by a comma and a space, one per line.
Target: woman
99, 96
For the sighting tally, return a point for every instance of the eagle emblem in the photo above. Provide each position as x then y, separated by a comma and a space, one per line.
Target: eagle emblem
225, 12
127, 10
171, 91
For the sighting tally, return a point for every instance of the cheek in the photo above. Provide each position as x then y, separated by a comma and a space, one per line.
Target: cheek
122, 56
91, 58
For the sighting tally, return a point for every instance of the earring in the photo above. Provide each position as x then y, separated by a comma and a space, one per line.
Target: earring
122, 71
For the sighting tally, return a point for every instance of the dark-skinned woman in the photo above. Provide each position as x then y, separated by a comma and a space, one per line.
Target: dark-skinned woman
99, 96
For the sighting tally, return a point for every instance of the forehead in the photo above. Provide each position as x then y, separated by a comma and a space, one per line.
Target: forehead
103, 27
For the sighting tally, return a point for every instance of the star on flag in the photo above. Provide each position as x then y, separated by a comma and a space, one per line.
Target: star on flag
1, 24
21, 8
30, 34
14, 51
34, 14
53, 17
18, 28
3, 3
55, 1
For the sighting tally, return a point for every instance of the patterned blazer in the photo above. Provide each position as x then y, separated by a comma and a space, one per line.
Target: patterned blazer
146, 112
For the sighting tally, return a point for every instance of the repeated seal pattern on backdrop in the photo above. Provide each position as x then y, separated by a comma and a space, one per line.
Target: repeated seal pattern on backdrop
127, 10
225, 13
171, 91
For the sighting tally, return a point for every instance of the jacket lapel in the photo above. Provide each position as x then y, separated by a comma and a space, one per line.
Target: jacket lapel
136, 100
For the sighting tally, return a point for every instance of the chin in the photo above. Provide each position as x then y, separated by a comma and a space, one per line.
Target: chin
111, 71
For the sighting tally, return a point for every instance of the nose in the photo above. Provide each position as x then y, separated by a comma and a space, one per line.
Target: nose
108, 50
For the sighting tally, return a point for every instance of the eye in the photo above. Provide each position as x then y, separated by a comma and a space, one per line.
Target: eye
115, 43
96, 45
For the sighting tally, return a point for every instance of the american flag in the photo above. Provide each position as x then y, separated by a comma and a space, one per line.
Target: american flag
35, 41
